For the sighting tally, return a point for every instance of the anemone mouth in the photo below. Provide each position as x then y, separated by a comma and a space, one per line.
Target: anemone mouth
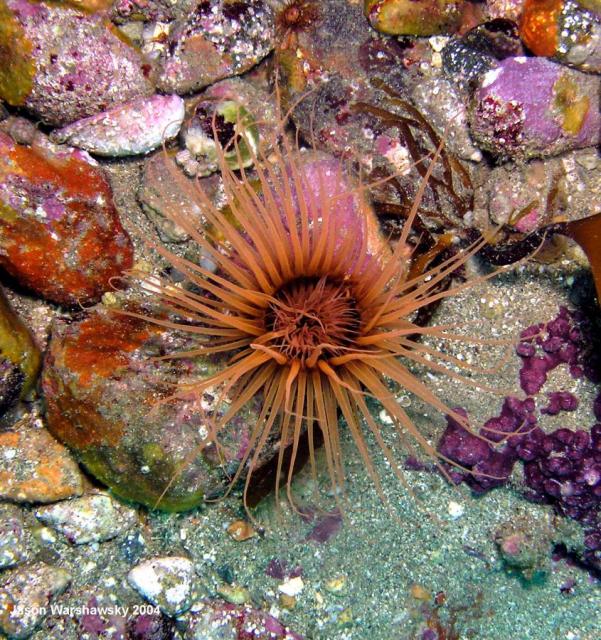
311, 318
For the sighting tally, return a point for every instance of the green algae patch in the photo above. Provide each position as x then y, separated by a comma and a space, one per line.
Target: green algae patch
17, 67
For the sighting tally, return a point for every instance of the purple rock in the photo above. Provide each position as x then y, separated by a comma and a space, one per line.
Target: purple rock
532, 107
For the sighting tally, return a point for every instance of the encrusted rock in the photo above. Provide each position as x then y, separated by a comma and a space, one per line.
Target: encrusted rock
25, 593
131, 128
35, 467
60, 235
567, 30
216, 40
157, 453
532, 107
166, 582
243, 118
414, 17
63, 64
14, 543
160, 192
92, 518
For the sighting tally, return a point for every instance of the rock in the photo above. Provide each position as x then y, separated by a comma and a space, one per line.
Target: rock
532, 107
14, 542
64, 65
131, 128
507, 9
166, 582
25, 593
214, 620
441, 104
414, 18
227, 38
123, 11
60, 233
20, 357
241, 113
350, 94
159, 192
525, 196
102, 389
93, 518
526, 541
566, 30
35, 467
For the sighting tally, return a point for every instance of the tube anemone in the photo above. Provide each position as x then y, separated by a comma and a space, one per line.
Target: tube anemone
312, 308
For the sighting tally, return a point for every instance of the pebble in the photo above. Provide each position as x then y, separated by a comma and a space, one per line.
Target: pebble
292, 586
14, 543
241, 530
35, 467
91, 518
62, 64
131, 128
25, 593
442, 105
166, 582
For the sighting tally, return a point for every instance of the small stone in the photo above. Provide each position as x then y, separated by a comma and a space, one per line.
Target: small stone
525, 543
292, 586
420, 593
287, 602
159, 192
130, 128
235, 594
35, 467
14, 547
25, 593
337, 585
241, 530
93, 518
166, 582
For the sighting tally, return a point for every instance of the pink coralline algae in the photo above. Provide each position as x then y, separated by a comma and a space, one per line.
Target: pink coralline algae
563, 467
532, 107
135, 127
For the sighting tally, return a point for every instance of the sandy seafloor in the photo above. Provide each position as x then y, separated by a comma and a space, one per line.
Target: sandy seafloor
376, 579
